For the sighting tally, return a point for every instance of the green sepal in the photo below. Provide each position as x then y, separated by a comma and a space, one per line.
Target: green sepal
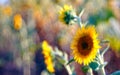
68, 17
85, 69
71, 60
94, 65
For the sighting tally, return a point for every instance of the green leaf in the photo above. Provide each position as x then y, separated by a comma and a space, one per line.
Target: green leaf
116, 73
85, 69
94, 65
61, 60
71, 60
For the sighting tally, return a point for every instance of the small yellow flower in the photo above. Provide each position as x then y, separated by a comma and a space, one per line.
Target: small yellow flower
17, 22
7, 10
85, 45
66, 14
46, 50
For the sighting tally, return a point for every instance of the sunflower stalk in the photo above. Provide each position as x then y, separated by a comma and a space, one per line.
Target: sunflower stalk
79, 21
26, 54
89, 72
79, 18
81, 13
67, 62
101, 70
68, 69
68, 66
105, 50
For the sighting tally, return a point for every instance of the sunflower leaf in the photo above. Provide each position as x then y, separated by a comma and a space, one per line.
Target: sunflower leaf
85, 69
60, 60
71, 60
116, 73
94, 65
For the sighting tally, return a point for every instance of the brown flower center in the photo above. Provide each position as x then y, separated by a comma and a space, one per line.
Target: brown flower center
85, 45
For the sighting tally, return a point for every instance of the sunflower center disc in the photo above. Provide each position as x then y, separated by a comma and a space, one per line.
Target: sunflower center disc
84, 45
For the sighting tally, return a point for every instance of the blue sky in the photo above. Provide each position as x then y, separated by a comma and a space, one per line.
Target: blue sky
3, 1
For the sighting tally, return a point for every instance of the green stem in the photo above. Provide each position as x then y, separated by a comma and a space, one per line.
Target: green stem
105, 50
79, 18
26, 54
67, 67
101, 71
78, 21
89, 72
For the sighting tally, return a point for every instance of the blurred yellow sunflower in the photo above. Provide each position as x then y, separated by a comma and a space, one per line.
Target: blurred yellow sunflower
46, 50
85, 45
66, 14
114, 44
17, 22
7, 10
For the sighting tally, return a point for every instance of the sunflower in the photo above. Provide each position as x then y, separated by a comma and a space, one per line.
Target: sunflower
7, 10
66, 14
46, 50
17, 22
85, 45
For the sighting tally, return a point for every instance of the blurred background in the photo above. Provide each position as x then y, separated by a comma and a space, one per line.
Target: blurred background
25, 24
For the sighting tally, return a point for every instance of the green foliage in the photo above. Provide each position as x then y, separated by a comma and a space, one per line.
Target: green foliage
60, 60
102, 15
116, 73
70, 61
94, 65
85, 69
68, 17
